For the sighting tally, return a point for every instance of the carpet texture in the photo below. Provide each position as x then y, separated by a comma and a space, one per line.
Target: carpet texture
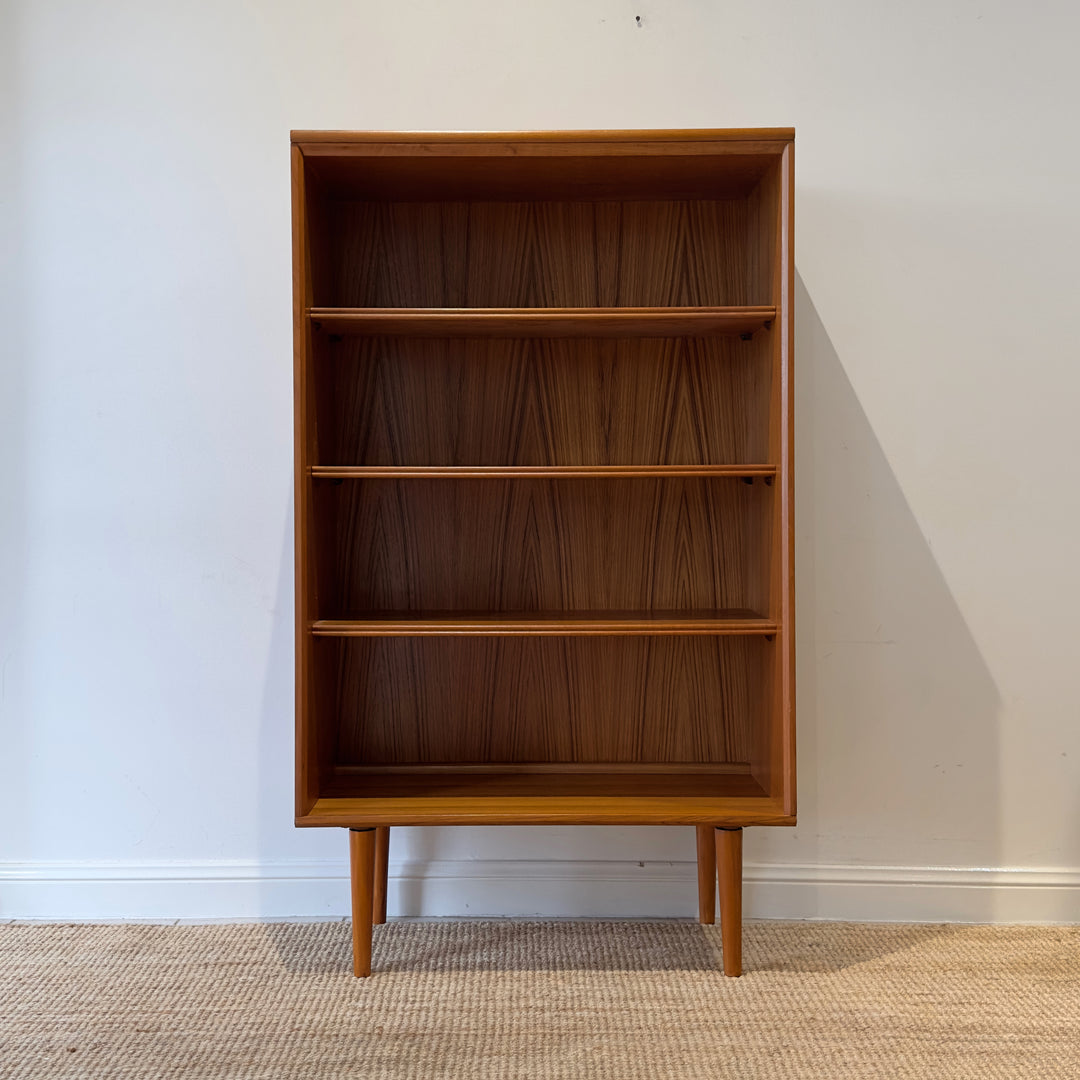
478, 1000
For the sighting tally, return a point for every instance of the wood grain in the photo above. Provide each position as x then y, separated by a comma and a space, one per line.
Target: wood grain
693, 402
691, 253
677, 544
539, 699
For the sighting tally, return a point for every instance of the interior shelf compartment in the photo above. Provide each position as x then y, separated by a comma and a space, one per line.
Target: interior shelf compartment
605, 801
549, 623
441, 403
656, 545
694, 703
502, 780
543, 322
544, 252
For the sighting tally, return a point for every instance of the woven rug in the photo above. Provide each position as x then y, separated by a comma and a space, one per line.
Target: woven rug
510, 999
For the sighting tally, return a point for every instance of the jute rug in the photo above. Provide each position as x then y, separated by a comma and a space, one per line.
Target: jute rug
618, 1000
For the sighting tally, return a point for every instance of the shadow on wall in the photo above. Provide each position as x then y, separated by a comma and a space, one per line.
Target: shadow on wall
897, 711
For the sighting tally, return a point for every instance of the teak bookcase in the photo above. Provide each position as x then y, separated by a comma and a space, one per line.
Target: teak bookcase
544, 482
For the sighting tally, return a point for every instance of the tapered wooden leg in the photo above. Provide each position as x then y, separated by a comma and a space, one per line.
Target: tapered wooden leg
729, 870
382, 856
706, 874
362, 867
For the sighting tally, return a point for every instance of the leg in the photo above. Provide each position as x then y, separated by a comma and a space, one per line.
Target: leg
729, 867
382, 853
362, 866
706, 874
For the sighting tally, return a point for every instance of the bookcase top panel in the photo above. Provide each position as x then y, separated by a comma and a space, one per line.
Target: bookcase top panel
449, 138
706, 164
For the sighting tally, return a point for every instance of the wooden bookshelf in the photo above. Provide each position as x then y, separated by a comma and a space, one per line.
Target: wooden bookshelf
544, 488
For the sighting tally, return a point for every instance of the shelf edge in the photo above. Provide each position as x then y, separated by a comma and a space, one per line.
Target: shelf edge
543, 628
569, 472
547, 810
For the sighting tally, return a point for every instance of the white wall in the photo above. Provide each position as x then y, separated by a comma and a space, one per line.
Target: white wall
145, 425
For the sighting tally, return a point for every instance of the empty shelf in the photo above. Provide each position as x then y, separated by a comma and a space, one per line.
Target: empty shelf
549, 624
544, 322
554, 472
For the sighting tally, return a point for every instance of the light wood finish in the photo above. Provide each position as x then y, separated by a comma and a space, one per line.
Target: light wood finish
656, 141
549, 624
541, 165
543, 809
451, 782
362, 871
729, 873
382, 871
475, 322
544, 485
706, 874
308, 740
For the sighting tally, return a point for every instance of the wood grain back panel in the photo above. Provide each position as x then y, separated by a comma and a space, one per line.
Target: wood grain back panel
539, 254
538, 401
572, 700
666, 544
516, 177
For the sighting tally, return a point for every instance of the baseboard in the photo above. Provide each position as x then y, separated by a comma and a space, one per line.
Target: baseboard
319, 889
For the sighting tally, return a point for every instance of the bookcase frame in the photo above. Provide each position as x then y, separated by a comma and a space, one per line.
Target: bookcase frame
544, 486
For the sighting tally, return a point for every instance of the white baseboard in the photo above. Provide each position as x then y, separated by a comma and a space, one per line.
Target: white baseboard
587, 889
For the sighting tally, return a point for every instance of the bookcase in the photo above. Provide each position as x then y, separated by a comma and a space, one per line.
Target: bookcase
544, 487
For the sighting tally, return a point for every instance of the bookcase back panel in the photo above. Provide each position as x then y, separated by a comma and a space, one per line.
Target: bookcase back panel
671, 544
557, 401
536, 699
538, 254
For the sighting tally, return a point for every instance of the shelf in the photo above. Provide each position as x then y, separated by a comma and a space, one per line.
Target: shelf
548, 624
543, 322
600, 797
510, 472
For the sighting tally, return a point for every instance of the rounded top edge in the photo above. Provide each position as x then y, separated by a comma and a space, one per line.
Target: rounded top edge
777, 134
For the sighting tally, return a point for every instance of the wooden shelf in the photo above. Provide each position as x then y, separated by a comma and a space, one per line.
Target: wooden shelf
543, 322
584, 798
619, 796
510, 472
548, 624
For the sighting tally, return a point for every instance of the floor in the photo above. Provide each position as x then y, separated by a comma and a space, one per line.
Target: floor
517, 999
